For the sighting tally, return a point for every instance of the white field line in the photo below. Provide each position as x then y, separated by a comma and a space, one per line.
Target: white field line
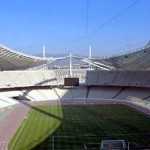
85, 147
93, 135
53, 140
21, 130
79, 102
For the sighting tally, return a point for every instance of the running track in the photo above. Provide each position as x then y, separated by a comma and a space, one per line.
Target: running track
9, 125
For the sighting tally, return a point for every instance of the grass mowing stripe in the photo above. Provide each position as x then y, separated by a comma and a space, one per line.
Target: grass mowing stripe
20, 130
43, 121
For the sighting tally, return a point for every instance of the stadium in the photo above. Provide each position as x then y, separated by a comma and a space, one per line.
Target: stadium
75, 75
105, 106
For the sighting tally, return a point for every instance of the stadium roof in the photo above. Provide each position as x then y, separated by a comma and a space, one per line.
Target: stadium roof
13, 60
138, 59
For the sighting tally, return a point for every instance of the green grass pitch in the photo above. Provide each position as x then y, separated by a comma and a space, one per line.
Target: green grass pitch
80, 126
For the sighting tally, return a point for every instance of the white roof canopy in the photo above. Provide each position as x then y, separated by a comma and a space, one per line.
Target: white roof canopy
13, 60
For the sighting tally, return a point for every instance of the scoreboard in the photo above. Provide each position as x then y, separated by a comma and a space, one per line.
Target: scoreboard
71, 81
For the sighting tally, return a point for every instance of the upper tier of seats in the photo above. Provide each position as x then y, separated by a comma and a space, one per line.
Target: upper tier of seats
11, 79
129, 78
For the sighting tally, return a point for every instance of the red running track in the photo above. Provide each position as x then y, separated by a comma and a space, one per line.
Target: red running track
9, 125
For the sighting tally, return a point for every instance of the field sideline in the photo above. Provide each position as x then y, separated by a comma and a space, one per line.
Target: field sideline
76, 126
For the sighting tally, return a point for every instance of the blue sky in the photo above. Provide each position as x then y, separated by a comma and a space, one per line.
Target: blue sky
63, 25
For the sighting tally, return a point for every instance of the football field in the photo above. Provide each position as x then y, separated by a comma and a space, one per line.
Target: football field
55, 127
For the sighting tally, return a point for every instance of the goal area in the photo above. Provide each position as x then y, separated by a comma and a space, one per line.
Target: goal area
113, 145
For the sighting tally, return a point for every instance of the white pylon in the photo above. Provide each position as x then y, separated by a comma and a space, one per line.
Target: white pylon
90, 56
43, 51
90, 52
70, 56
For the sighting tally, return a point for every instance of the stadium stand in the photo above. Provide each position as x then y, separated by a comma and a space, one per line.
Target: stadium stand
92, 77
39, 94
50, 78
63, 92
33, 94
119, 77
3, 103
48, 94
127, 78
111, 92
103, 92
100, 84
140, 78
6, 100
95, 92
79, 92
21, 79
121, 84
112, 84
134, 93
104, 80
5, 80
11, 79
